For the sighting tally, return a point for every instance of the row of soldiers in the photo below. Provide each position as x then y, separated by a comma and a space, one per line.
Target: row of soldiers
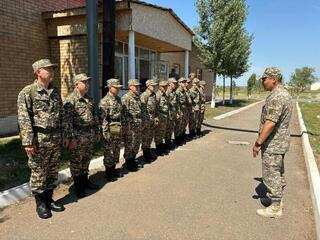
47, 124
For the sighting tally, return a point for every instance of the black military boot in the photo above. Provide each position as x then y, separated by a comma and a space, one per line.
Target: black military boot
88, 184
42, 210
169, 145
147, 156
159, 150
79, 188
111, 173
54, 206
192, 134
199, 134
131, 164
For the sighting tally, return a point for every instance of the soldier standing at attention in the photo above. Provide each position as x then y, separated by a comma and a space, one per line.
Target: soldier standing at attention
182, 110
202, 106
189, 103
273, 140
150, 119
81, 127
111, 114
195, 107
133, 123
173, 113
163, 115
39, 118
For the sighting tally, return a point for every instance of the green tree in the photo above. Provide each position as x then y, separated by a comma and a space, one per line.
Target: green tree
237, 42
302, 78
210, 35
251, 84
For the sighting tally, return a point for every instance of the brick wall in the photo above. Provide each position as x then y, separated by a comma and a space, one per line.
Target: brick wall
23, 40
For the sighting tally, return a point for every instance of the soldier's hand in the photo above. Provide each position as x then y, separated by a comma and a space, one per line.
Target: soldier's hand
31, 150
255, 150
72, 145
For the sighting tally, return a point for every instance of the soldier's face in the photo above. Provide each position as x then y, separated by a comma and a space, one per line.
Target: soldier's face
46, 74
114, 90
269, 83
151, 88
83, 87
134, 88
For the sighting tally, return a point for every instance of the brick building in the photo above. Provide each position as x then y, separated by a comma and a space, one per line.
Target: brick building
146, 46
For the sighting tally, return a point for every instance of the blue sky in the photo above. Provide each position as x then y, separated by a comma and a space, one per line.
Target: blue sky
286, 32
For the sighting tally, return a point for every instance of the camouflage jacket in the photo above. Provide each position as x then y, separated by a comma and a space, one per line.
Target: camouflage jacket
182, 99
132, 106
195, 98
163, 104
189, 100
39, 111
149, 106
80, 116
202, 100
278, 109
110, 111
173, 103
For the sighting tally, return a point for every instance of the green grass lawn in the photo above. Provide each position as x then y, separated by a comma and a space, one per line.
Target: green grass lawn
311, 117
221, 109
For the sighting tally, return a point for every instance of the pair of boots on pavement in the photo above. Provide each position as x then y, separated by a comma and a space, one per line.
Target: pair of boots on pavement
148, 156
111, 173
195, 133
81, 183
274, 209
45, 204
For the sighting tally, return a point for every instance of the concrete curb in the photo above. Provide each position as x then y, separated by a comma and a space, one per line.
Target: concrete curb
228, 114
19, 193
313, 171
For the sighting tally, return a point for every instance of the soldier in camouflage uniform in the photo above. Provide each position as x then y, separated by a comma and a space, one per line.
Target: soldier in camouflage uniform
189, 105
195, 107
202, 106
39, 118
274, 140
163, 115
133, 123
182, 99
111, 114
150, 119
80, 127
173, 113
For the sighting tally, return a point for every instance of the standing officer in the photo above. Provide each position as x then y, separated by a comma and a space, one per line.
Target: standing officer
182, 110
80, 123
150, 119
274, 140
195, 107
163, 115
189, 104
133, 122
39, 118
111, 115
173, 113
202, 106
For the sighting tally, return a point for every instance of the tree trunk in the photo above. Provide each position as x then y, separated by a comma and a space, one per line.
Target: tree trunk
213, 98
231, 91
224, 90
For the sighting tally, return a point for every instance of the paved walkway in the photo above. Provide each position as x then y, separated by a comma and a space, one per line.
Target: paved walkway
203, 190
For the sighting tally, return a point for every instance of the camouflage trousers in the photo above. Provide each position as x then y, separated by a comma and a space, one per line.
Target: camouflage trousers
44, 166
172, 128
111, 151
273, 175
200, 121
161, 131
183, 123
81, 155
148, 133
132, 140
194, 120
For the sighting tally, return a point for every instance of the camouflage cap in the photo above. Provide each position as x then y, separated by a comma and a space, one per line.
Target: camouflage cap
202, 83
272, 72
113, 82
195, 80
172, 80
151, 82
42, 63
163, 83
82, 77
182, 79
133, 82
